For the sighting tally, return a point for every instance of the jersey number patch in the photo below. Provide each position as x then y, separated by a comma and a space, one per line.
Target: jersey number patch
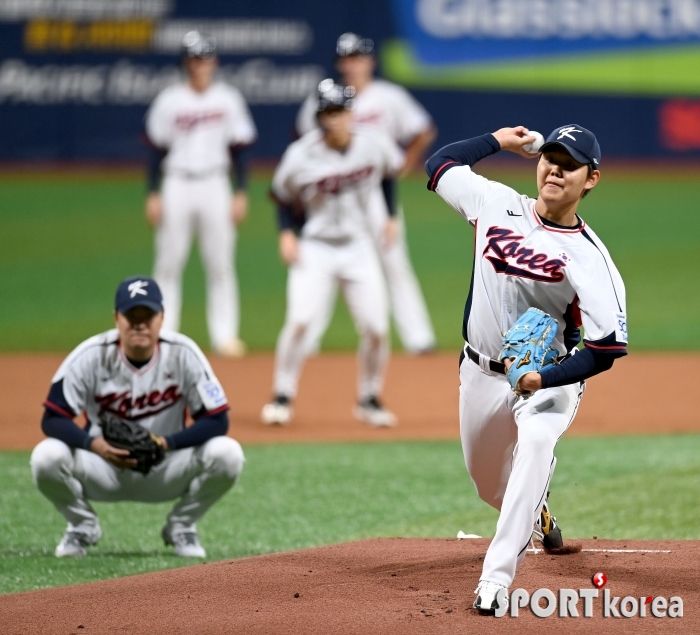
620, 327
211, 393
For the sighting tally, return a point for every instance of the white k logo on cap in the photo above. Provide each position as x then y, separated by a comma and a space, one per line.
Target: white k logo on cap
137, 288
566, 132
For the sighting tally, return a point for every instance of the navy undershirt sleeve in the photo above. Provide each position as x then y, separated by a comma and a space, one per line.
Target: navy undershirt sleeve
285, 217
204, 428
579, 367
64, 429
239, 167
461, 153
389, 191
153, 170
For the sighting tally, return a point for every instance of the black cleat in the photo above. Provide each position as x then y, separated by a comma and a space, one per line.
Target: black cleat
547, 531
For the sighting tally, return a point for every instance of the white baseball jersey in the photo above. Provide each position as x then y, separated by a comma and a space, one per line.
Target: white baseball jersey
334, 188
381, 106
98, 379
521, 261
197, 128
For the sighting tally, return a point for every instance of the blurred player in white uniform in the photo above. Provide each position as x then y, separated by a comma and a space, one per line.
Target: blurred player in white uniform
198, 130
323, 186
147, 375
528, 253
380, 106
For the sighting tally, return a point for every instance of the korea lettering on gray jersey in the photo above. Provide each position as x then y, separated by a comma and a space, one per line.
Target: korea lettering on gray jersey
98, 379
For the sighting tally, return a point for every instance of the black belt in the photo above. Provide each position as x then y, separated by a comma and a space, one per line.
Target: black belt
494, 366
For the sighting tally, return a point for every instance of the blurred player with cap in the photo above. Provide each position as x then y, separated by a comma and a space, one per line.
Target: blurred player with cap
388, 108
324, 185
198, 129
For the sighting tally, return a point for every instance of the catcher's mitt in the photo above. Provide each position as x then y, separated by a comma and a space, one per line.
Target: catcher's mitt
144, 446
528, 344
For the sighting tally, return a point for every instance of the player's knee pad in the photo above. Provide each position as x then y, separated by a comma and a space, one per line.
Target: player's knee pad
50, 459
224, 456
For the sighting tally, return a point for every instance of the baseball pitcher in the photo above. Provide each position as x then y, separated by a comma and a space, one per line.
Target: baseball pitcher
540, 275
198, 130
135, 383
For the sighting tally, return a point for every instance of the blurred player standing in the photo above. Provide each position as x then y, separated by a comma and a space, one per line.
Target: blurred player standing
323, 186
198, 129
387, 108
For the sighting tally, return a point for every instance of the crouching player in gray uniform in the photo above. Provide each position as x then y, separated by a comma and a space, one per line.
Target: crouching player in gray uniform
139, 373
528, 253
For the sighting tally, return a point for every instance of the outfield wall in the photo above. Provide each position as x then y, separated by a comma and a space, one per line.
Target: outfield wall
76, 76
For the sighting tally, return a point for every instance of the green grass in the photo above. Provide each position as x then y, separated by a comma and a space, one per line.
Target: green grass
67, 242
299, 496
657, 71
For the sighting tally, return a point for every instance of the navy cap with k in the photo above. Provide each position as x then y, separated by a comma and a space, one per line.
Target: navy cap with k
350, 44
138, 291
332, 96
577, 141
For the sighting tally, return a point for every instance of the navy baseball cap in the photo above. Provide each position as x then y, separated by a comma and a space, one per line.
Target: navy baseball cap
333, 96
349, 44
580, 143
138, 291
196, 44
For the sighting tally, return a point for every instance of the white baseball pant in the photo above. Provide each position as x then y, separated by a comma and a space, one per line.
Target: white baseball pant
408, 305
312, 283
201, 206
198, 476
508, 445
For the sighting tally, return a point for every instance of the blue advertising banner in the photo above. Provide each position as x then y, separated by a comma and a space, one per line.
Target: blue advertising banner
472, 31
76, 76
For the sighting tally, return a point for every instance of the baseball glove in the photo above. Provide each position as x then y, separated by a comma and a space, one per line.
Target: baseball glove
528, 344
144, 446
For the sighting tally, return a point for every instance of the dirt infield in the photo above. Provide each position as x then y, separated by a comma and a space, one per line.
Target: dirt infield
396, 586
421, 390
375, 586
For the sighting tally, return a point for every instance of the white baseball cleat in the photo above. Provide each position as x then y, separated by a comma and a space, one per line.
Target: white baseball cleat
74, 544
233, 348
488, 597
371, 411
186, 543
278, 411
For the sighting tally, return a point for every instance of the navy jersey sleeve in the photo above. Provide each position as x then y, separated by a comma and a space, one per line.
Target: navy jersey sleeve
57, 421
206, 426
461, 153
576, 368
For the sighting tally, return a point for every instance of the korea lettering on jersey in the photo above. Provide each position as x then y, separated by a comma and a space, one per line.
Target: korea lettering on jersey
523, 261
197, 129
334, 188
381, 106
98, 379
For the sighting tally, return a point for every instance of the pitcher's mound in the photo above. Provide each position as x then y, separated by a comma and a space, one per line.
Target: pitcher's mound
393, 585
